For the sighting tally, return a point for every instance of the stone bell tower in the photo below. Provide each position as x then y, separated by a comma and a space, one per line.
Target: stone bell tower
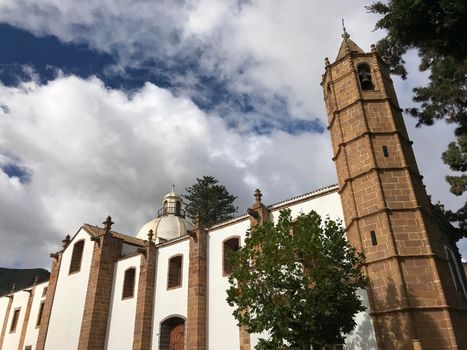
417, 294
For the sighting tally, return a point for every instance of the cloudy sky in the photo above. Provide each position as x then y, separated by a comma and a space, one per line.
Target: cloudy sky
105, 104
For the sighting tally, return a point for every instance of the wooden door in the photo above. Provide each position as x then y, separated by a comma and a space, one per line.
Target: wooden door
177, 336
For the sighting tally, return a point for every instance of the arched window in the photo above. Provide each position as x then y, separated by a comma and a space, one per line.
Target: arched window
129, 283
174, 276
456, 272
364, 74
165, 206
76, 256
228, 246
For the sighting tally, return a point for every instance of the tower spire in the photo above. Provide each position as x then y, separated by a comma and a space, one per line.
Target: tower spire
345, 35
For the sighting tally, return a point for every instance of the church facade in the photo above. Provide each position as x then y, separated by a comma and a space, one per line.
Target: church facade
164, 288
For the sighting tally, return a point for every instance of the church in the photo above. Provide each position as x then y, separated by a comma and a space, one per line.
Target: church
164, 287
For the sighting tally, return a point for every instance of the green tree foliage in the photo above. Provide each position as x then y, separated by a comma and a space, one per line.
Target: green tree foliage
437, 28
298, 281
212, 201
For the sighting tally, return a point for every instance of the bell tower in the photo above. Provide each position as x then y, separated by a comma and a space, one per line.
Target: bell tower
417, 295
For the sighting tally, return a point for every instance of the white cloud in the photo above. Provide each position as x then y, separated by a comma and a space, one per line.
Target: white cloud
94, 151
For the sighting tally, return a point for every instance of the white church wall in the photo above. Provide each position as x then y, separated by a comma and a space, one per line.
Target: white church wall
32, 330
70, 297
3, 307
170, 302
222, 326
325, 204
11, 339
122, 311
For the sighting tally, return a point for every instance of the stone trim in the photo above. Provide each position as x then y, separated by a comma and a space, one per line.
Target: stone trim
49, 299
142, 334
5, 321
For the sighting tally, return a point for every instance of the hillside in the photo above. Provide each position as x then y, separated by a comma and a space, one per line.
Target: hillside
22, 277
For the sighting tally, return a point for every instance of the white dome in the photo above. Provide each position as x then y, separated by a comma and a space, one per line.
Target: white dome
170, 222
166, 227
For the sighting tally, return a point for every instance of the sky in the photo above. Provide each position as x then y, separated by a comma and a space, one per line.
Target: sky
105, 104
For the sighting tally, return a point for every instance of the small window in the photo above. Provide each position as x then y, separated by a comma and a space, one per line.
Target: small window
165, 206
14, 320
230, 245
174, 278
76, 256
129, 283
385, 151
364, 74
28, 347
39, 315
374, 241
177, 207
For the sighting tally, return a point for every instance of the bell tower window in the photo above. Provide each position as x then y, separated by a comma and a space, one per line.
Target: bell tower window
177, 208
76, 257
364, 75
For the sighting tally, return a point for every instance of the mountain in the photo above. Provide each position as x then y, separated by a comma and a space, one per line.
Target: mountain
21, 277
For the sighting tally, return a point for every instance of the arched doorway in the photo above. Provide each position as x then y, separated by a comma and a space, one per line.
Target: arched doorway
172, 334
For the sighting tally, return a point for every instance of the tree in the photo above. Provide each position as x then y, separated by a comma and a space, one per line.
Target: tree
212, 201
297, 281
436, 29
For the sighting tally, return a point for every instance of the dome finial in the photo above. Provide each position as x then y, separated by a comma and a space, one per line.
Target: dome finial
173, 188
345, 35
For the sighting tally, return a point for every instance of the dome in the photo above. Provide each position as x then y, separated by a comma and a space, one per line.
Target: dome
170, 222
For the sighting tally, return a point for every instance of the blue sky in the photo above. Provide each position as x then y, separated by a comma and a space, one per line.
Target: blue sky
104, 105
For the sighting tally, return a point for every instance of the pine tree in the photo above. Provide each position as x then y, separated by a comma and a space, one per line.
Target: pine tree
210, 200
297, 281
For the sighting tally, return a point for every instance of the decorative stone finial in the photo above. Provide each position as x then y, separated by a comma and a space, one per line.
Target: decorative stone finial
108, 224
150, 235
373, 48
326, 61
66, 241
345, 35
13, 288
258, 196
173, 188
36, 280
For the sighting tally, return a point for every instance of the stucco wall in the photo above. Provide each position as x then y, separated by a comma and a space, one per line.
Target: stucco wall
122, 311
3, 307
70, 296
11, 340
173, 301
32, 330
222, 326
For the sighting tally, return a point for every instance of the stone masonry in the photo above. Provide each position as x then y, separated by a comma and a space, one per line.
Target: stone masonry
414, 302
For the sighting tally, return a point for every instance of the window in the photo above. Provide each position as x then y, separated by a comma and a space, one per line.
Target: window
28, 347
364, 74
385, 151
129, 283
44, 292
177, 207
76, 256
229, 246
39, 315
14, 320
456, 272
374, 241
174, 278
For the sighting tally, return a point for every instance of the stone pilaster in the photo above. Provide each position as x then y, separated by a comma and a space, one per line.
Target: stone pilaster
197, 282
107, 250
146, 292
259, 214
49, 299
